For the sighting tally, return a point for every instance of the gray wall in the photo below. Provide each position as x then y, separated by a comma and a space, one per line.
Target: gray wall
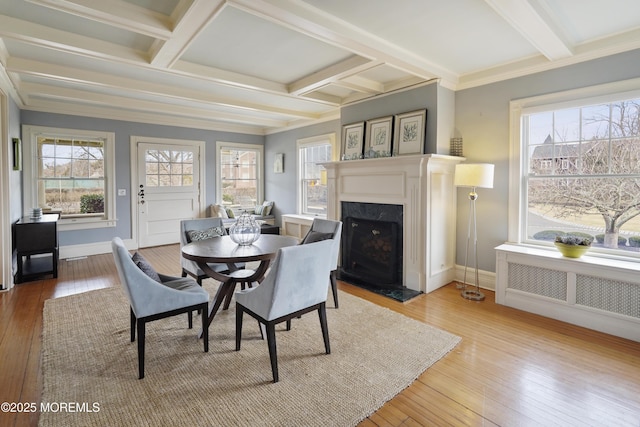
123, 131
397, 103
482, 119
281, 188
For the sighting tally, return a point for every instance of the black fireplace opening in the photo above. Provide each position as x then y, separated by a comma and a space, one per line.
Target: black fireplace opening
372, 242
371, 251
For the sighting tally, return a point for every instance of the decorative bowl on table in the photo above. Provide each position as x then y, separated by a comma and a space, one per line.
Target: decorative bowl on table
245, 231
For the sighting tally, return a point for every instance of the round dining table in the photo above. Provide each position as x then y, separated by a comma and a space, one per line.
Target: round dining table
223, 250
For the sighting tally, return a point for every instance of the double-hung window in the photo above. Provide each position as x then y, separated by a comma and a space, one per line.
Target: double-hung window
579, 168
312, 176
70, 172
239, 175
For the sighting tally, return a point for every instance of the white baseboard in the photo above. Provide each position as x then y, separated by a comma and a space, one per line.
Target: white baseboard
487, 278
78, 251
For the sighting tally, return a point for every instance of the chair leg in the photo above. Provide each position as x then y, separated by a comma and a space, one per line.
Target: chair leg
141, 337
190, 319
133, 325
334, 287
322, 312
239, 315
273, 354
205, 328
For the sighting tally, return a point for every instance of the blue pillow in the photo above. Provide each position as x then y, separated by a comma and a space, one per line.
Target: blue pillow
146, 268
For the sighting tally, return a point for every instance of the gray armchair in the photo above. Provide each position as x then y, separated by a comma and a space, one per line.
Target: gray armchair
189, 226
156, 298
296, 284
322, 229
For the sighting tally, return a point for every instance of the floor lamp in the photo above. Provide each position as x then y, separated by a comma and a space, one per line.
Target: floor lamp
479, 175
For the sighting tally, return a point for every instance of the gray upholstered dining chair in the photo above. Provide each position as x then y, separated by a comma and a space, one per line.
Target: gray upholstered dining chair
199, 229
296, 284
322, 229
154, 296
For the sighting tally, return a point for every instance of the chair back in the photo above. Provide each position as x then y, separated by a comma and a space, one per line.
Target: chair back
147, 296
296, 280
320, 225
199, 224
131, 277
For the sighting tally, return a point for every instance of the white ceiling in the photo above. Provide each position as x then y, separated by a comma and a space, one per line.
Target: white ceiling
260, 66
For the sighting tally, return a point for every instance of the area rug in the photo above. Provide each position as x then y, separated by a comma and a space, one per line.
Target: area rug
90, 366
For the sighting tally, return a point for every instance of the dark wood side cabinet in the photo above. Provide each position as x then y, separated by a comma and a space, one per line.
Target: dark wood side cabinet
36, 246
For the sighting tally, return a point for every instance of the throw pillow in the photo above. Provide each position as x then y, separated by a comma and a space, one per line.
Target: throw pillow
315, 236
230, 213
146, 268
266, 211
258, 210
218, 211
195, 235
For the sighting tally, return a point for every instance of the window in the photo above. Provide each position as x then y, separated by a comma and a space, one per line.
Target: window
580, 172
168, 168
312, 177
240, 180
71, 172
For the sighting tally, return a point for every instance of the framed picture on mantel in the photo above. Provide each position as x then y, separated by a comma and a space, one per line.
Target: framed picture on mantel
410, 133
352, 141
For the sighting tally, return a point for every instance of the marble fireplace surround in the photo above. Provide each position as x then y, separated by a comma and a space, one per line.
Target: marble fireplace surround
423, 185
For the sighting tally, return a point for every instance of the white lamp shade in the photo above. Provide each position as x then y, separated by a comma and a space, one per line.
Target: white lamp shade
474, 175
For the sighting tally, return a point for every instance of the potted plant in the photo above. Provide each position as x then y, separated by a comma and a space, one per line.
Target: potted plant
573, 246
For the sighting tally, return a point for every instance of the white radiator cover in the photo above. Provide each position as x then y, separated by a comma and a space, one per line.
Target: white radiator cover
595, 293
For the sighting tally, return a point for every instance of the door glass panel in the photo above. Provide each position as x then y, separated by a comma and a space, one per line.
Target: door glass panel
169, 168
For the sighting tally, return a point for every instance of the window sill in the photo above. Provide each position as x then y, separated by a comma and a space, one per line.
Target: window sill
598, 260
69, 224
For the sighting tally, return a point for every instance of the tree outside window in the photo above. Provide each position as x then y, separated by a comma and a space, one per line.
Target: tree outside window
71, 175
584, 173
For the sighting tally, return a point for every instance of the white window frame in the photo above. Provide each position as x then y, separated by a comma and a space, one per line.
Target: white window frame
305, 143
605, 93
221, 145
30, 142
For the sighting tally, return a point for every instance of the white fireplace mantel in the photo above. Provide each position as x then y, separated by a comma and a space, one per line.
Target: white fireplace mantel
423, 185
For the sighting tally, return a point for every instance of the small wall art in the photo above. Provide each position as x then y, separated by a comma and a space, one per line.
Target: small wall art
17, 154
379, 133
409, 133
352, 141
278, 163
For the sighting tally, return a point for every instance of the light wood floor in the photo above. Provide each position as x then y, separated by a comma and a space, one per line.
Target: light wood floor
511, 368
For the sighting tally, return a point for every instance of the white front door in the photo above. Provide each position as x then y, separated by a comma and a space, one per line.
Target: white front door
168, 190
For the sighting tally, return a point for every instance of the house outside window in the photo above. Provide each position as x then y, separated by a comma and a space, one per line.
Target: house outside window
70, 172
312, 177
580, 172
240, 176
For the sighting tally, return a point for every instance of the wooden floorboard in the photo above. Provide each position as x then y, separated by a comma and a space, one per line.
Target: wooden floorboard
511, 368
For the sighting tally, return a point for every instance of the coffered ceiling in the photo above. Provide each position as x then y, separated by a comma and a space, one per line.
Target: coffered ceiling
260, 66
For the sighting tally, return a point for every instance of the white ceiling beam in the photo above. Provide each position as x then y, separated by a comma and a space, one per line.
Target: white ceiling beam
306, 19
537, 30
587, 51
350, 66
117, 113
190, 23
116, 13
96, 79
88, 97
64, 41
230, 78
361, 84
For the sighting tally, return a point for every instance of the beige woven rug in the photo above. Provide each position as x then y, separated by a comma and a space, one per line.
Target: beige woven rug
89, 361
